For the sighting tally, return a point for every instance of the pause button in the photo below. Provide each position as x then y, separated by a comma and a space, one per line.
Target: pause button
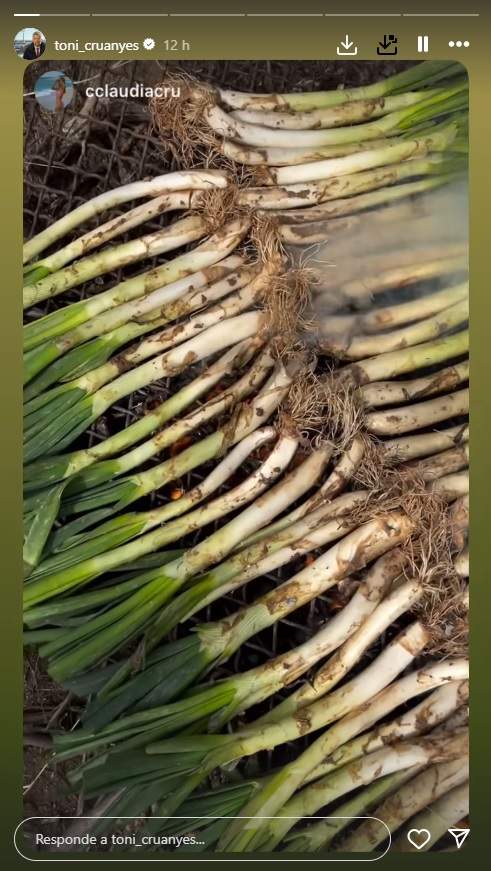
423, 44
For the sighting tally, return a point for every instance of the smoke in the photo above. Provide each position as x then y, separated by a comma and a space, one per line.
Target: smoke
389, 255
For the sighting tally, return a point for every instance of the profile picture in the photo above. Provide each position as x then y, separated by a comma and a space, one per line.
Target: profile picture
54, 91
29, 43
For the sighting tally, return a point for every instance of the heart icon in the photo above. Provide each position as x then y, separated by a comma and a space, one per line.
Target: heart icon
418, 838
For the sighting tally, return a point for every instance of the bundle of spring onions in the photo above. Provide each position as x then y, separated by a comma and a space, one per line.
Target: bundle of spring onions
374, 607
168, 771
351, 484
437, 715
166, 193
56, 416
88, 397
327, 154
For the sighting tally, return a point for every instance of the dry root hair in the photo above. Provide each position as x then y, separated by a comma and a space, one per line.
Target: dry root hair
320, 407
429, 549
287, 305
344, 412
180, 122
302, 411
446, 615
220, 206
183, 129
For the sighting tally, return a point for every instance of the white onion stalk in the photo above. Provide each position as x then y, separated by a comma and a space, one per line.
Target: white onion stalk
343, 626
49, 585
299, 481
251, 740
437, 819
398, 602
300, 195
118, 531
418, 415
407, 360
443, 710
358, 347
177, 234
343, 471
414, 446
307, 101
238, 301
338, 208
393, 153
381, 393
403, 265
173, 300
317, 577
459, 522
273, 548
445, 463
193, 521
202, 649
240, 153
109, 535
340, 741
335, 483
179, 272
461, 563
408, 800
222, 700
289, 666
332, 116
342, 230
147, 211
212, 642
244, 834
388, 317
173, 181
331, 673
319, 835
277, 550
451, 487
305, 233
411, 214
